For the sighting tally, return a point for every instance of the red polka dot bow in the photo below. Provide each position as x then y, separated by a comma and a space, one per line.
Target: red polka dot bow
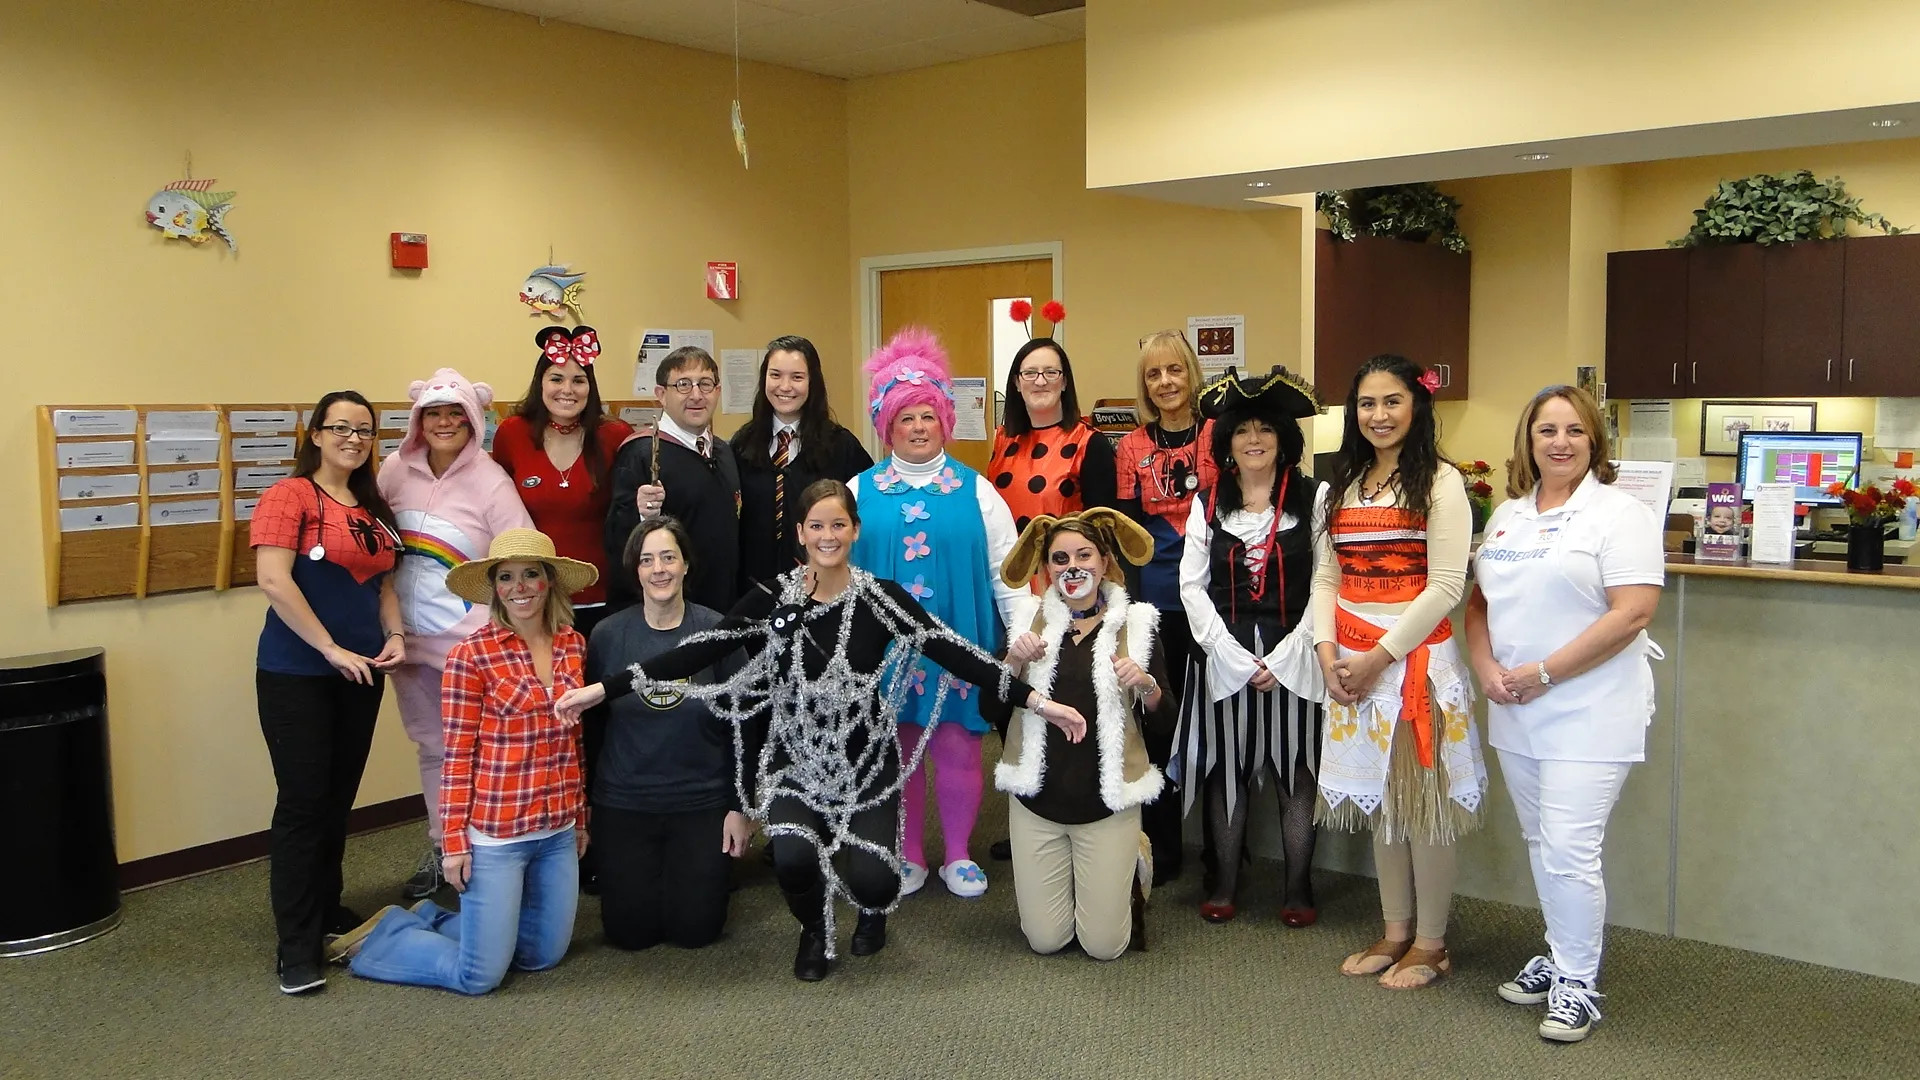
559, 345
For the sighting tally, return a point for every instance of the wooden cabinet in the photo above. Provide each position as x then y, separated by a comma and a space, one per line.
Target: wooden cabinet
1725, 294
1803, 300
1646, 322
1378, 295
1880, 334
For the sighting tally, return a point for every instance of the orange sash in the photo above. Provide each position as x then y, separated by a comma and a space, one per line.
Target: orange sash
1416, 693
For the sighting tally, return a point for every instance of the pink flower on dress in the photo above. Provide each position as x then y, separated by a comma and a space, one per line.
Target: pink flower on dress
947, 482
962, 688
886, 479
917, 546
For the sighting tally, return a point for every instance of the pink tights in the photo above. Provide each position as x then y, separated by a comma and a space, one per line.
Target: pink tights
955, 753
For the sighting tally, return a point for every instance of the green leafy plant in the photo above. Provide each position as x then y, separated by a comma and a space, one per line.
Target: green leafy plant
1779, 209
1416, 212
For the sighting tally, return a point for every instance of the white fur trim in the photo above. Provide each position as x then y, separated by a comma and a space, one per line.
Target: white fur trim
1024, 777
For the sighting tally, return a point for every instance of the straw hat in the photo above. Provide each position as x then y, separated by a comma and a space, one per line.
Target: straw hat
472, 580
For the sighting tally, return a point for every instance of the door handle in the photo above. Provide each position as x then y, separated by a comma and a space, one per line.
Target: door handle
1693, 374
1676, 373
1446, 375
1829, 369
1849, 369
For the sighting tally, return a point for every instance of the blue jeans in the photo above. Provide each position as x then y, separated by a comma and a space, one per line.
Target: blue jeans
517, 912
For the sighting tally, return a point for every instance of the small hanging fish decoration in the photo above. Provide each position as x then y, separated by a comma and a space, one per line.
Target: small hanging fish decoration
190, 210
552, 291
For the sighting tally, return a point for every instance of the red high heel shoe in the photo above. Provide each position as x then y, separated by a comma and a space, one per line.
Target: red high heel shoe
1217, 913
1298, 917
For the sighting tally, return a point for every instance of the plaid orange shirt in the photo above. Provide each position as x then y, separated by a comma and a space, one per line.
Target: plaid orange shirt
511, 766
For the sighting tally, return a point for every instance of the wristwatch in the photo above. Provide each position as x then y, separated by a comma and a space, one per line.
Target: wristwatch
1545, 679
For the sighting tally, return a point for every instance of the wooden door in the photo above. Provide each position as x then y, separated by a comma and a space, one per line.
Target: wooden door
1726, 287
1881, 323
1646, 322
954, 302
1801, 319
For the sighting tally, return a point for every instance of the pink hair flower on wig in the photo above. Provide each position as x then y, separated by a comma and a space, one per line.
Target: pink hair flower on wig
1431, 380
911, 370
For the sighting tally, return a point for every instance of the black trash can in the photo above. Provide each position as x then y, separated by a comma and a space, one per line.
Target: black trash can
56, 798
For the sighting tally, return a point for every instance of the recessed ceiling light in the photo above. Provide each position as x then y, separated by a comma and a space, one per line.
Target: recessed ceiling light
1889, 122
1533, 157
1259, 183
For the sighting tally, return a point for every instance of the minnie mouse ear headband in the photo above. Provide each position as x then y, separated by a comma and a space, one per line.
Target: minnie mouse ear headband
1118, 534
1280, 393
1021, 311
909, 370
559, 344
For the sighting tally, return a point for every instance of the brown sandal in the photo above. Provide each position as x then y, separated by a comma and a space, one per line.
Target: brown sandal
1387, 947
1435, 962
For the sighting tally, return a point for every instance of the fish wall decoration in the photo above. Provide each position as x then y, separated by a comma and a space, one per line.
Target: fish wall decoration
553, 291
191, 210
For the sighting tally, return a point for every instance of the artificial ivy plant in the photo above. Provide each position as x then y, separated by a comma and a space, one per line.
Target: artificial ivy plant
1779, 209
1416, 212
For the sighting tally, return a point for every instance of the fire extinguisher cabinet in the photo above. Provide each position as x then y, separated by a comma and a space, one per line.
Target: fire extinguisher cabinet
56, 798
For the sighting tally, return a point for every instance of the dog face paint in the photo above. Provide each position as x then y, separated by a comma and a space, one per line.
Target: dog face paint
1075, 567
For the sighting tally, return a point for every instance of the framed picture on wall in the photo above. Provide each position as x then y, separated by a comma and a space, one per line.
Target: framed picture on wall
1721, 422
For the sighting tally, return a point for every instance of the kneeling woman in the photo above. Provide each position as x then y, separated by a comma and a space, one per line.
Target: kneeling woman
1074, 815
510, 796
827, 780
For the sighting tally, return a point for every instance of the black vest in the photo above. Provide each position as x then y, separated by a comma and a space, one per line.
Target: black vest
1289, 582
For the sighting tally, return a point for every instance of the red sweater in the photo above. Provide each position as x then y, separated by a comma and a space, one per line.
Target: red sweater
573, 513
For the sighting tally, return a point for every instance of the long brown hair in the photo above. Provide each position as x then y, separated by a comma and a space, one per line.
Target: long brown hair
361, 481
533, 409
1523, 472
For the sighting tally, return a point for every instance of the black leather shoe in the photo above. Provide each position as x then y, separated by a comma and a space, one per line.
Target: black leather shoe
810, 962
869, 934
1001, 851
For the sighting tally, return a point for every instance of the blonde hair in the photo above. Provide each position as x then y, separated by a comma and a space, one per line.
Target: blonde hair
558, 611
1523, 473
1165, 344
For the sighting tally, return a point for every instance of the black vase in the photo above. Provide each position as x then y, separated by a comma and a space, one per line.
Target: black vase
1867, 547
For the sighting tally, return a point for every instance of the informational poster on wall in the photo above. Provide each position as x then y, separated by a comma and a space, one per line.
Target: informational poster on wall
1650, 419
739, 374
654, 347
1220, 341
1896, 423
970, 409
1650, 483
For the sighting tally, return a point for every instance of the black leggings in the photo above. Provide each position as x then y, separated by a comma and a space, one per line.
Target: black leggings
663, 877
318, 730
872, 881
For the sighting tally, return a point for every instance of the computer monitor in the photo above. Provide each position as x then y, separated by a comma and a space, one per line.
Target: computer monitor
1809, 460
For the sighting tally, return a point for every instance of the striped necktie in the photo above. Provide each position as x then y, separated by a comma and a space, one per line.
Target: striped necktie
700, 446
782, 454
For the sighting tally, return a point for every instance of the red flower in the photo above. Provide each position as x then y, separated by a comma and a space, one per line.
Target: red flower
1903, 488
1836, 488
1053, 311
1020, 310
1482, 489
1481, 465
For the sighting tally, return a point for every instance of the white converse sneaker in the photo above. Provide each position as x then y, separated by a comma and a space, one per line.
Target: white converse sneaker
913, 878
964, 878
1531, 986
1572, 1007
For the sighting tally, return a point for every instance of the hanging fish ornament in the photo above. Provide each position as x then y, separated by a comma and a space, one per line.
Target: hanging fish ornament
553, 291
190, 210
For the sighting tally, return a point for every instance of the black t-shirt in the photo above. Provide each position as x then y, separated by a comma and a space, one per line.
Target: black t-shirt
664, 753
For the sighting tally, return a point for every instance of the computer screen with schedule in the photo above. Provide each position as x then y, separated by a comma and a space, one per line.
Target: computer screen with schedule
1809, 460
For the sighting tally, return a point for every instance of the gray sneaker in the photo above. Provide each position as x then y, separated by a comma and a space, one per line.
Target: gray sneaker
426, 879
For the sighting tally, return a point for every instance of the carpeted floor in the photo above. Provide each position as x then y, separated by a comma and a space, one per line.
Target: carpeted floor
185, 988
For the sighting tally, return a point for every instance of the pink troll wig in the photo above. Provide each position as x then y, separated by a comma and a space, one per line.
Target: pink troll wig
907, 371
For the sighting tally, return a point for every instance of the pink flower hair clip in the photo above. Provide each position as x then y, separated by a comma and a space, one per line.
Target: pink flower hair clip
1431, 380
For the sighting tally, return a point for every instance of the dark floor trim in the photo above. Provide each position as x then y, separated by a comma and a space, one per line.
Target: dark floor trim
231, 852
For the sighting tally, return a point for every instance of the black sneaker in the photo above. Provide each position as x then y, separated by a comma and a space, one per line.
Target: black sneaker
426, 879
1572, 1008
343, 919
1530, 987
302, 979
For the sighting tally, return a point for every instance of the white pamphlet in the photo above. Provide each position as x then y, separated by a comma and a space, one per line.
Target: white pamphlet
100, 486
86, 518
94, 421
1650, 483
92, 455
184, 512
192, 424
182, 481
1772, 540
191, 450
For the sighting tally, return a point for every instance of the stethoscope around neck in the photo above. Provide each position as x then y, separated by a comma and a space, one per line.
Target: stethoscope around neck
318, 551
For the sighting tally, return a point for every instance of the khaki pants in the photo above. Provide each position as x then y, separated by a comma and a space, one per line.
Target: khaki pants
1075, 880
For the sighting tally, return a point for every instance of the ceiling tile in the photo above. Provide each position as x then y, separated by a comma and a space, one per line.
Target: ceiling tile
918, 20
1025, 35
1072, 22
807, 38
812, 7
881, 61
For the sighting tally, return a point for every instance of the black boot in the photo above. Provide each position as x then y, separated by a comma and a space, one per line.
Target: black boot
870, 934
810, 960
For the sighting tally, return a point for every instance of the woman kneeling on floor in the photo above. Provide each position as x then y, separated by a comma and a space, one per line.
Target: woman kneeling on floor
510, 793
1080, 863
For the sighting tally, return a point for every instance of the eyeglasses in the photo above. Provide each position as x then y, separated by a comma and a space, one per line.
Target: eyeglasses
686, 386
1041, 376
1181, 333
345, 430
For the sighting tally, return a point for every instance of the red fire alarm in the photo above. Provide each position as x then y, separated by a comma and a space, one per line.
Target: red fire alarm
723, 281
409, 251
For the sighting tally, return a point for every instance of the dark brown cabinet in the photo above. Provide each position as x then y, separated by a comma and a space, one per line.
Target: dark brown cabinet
1828, 318
1376, 295
1881, 329
1646, 322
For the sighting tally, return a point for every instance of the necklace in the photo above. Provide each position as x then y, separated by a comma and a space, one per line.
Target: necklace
564, 429
1180, 476
1379, 489
567, 473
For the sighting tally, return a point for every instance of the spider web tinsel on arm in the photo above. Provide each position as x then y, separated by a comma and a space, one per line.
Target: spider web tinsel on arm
816, 724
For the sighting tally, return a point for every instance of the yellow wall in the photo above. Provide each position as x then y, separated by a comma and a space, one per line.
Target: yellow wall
1233, 86
990, 152
339, 122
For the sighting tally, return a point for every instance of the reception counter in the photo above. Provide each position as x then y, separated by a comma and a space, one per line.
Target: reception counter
1778, 806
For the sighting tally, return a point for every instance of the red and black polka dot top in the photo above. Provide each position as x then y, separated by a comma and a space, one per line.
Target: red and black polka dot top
1052, 470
